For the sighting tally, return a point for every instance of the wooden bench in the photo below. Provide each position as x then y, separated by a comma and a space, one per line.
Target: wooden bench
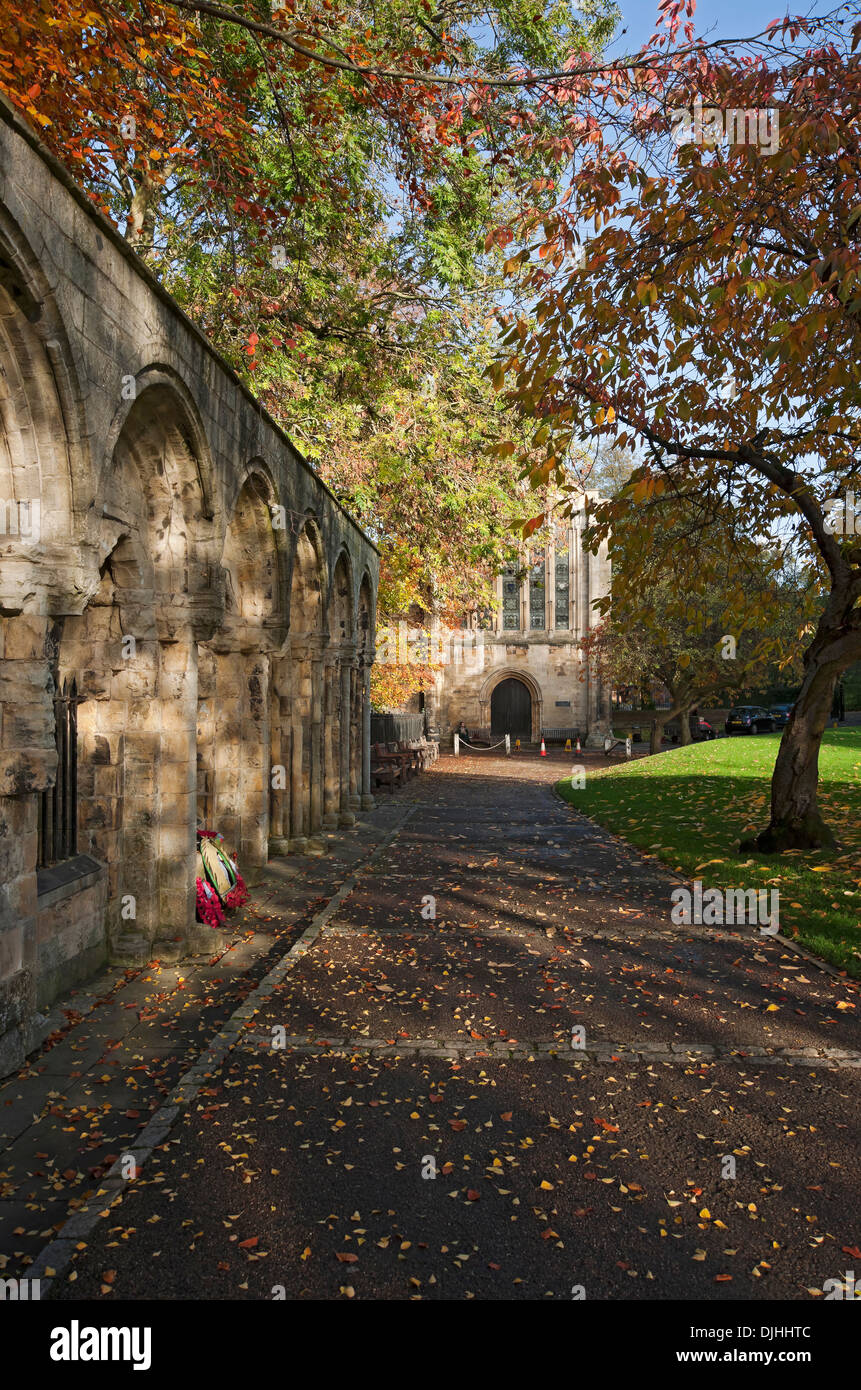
385, 755
414, 766
560, 735
386, 774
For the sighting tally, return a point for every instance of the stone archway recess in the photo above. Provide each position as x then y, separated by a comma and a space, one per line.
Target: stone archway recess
507, 673
233, 733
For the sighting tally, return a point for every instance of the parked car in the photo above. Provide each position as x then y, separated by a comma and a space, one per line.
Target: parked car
780, 714
749, 719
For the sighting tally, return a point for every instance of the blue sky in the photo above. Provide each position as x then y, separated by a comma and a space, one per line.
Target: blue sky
720, 18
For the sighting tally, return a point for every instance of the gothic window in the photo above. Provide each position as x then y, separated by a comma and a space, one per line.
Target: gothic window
537, 593
562, 585
58, 805
510, 599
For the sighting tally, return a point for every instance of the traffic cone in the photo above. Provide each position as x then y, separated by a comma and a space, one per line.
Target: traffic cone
567, 745
543, 749
578, 745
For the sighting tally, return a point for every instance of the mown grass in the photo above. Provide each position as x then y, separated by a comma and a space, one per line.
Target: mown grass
691, 806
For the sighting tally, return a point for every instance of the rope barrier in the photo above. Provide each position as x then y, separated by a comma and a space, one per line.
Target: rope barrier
481, 747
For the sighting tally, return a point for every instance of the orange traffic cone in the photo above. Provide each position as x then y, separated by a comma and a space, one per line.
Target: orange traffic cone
543, 749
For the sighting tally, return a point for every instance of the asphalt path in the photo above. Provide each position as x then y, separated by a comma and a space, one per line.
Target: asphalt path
496, 1070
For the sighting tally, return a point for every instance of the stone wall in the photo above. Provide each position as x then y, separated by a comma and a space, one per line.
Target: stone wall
174, 571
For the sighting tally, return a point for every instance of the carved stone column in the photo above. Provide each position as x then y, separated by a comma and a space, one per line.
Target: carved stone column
316, 842
355, 736
28, 762
331, 743
345, 721
368, 802
280, 758
177, 786
299, 734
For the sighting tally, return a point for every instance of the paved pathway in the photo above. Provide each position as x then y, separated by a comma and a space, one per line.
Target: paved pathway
294, 1158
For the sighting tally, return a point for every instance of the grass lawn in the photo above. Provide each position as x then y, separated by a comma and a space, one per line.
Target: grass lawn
691, 806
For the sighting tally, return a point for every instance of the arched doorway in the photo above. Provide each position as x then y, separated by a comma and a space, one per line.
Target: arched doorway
511, 709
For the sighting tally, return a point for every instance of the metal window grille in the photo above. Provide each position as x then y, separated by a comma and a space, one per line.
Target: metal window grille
58, 808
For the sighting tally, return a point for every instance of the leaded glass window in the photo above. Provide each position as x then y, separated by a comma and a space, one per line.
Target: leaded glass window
562, 586
537, 593
510, 599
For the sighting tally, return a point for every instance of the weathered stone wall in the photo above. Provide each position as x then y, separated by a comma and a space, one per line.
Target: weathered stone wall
165, 547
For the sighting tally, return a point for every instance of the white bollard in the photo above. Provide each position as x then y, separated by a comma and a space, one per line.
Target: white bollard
456, 746
629, 747
508, 745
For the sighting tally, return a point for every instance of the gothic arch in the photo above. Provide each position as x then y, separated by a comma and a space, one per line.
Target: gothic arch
250, 557
42, 456
341, 622
233, 742
503, 673
366, 615
170, 397
307, 582
154, 497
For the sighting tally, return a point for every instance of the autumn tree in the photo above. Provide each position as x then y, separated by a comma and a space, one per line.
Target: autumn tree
696, 606
314, 182
696, 298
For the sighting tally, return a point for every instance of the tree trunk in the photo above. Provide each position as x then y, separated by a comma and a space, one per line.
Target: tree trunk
685, 727
658, 724
796, 822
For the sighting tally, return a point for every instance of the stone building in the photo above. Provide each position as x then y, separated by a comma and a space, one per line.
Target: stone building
522, 671
186, 613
